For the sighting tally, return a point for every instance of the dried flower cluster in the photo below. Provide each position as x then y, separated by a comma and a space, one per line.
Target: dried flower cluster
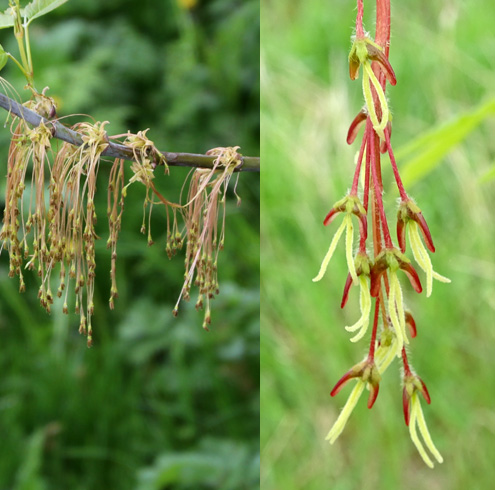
205, 229
376, 271
52, 227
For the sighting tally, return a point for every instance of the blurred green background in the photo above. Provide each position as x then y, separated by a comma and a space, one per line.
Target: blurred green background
157, 402
442, 53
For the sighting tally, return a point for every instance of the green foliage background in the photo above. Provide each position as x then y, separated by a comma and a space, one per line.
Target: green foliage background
442, 53
157, 402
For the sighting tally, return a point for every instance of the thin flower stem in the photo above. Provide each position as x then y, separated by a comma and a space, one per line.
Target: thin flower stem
400, 186
359, 162
375, 162
368, 172
366, 193
407, 369
359, 20
371, 354
382, 35
375, 218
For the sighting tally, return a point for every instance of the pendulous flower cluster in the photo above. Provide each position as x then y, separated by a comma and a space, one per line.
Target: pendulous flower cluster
205, 230
378, 270
51, 228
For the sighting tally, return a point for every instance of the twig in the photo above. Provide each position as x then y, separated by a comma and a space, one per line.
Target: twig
116, 150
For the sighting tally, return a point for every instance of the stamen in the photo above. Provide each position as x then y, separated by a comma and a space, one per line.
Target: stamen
368, 75
331, 250
340, 423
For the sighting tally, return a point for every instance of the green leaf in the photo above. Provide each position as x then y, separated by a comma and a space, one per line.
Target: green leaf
426, 152
37, 8
6, 19
3, 57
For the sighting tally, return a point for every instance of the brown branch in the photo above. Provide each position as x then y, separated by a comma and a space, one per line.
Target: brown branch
117, 150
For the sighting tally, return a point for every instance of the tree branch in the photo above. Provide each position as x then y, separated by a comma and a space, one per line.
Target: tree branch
117, 150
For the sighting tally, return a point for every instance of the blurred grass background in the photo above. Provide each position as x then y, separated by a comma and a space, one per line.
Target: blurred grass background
442, 53
157, 402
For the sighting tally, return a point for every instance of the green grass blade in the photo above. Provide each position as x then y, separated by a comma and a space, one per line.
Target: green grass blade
426, 152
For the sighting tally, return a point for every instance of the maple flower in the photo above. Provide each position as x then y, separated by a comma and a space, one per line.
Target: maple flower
350, 205
410, 215
363, 52
363, 266
414, 416
366, 374
392, 260
386, 351
423, 259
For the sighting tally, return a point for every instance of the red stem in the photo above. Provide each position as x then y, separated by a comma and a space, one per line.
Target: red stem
382, 35
355, 182
376, 172
382, 38
367, 170
371, 355
407, 369
359, 20
402, 191
366, 193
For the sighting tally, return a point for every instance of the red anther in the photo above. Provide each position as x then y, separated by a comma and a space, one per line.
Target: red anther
347, 287
411, 324
342, 381
405, 405
373, 394
425, 231
424, 391
401, 234
412, 275
356, 124
365, 371
377, 55
331, 216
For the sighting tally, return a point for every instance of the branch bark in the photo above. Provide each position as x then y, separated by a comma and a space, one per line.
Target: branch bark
116, 150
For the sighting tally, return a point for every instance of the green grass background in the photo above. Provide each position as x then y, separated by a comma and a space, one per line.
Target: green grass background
442, 53
156, 402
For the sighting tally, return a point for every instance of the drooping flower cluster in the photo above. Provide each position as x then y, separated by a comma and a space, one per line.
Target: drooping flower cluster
376, 271
52, 227
205, 230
